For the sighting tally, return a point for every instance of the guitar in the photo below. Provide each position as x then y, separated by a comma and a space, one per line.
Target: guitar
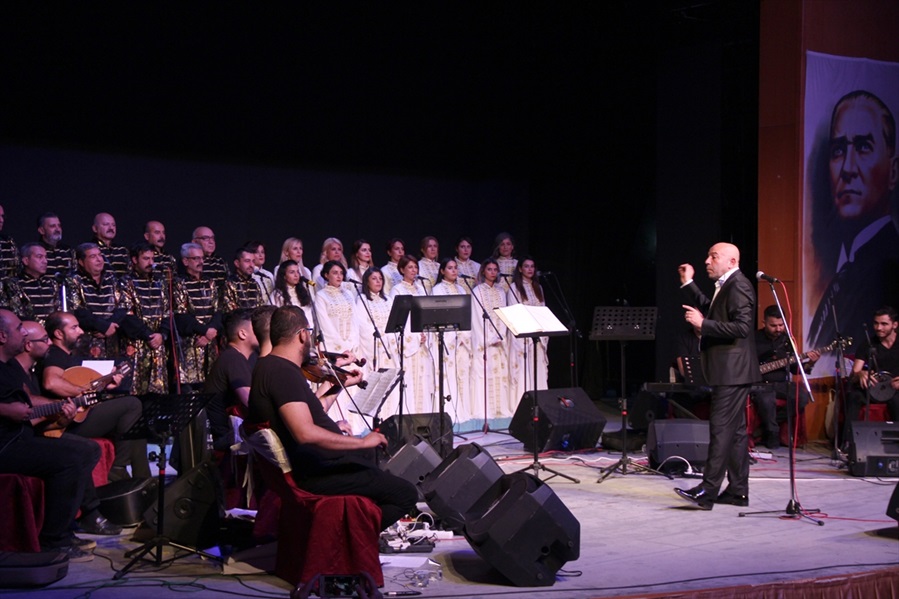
93, 382
38, 414
766, 367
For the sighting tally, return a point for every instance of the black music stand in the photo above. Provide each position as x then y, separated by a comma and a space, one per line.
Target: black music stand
441, 313
623, 324
396, 323
164, 417
545, 324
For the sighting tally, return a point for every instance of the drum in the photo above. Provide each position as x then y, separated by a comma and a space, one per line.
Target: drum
881, 387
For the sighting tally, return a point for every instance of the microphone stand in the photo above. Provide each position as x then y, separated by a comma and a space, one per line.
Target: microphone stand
376, 421
573, 333
793, 508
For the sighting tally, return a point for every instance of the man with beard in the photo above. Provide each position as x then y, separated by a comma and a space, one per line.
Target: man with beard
240, 289
110, 418
37, 345
64, 464
197, 317
34, 295
325, 461
214, 266
60, 257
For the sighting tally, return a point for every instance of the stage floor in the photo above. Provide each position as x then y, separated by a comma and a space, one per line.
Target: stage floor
637, 537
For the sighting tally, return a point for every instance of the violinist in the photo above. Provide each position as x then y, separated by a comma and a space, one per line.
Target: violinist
324, 461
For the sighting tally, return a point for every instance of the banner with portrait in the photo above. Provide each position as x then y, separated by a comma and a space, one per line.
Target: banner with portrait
850, 220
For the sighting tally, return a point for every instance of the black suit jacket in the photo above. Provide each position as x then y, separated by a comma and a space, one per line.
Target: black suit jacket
728, 331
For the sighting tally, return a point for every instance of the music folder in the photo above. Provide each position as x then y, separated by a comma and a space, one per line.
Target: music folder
531, 321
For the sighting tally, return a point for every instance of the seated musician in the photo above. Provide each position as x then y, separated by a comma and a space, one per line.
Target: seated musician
772, 344
37, 344
64, 464
111, 418
875, 372
325, 461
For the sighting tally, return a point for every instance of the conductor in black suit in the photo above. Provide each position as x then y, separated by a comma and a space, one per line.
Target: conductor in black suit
726, 325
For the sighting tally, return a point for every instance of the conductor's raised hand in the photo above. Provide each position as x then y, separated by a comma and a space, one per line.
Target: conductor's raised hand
686, 273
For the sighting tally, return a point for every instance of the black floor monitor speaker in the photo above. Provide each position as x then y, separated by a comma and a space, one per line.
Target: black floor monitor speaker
893, 505
458, 482
874, 449
425, 426
413, 462
521, 528
192, 508
568, 420
124, 502
675, 438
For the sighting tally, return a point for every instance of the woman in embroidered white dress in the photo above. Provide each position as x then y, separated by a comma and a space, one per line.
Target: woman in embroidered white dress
526, 290
379, 352
360, 260
456, 353
334, 312
490, 363
289, 291
468, 268
332, 249
418, 362
396, 249
504, 254
428, 264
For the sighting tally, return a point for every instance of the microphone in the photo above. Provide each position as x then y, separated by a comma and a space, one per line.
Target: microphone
763, 277
259, 272
353, 281
421, 278
307, 281
502, 274
466, 276
159, 266
541, 273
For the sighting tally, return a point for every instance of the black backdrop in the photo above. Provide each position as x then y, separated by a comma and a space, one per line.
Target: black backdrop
613, 140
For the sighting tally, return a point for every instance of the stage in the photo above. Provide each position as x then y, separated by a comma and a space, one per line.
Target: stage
637, 538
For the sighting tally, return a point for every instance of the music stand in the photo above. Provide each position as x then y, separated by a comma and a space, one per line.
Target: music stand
534, 321
440, 313
623, 324
164, 417
396, 323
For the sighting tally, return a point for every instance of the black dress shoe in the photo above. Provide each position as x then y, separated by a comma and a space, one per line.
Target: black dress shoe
96, 524
731, 499
698, 496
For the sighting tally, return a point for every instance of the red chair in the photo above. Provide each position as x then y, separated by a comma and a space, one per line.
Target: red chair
21, 513
753, 425
879, 413
317, 534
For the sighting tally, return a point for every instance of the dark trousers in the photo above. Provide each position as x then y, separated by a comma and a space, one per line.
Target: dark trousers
64, 464
728, 441
394, 495
113, 418
765, 403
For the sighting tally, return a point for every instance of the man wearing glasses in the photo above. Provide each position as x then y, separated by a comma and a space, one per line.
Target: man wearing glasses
213, 265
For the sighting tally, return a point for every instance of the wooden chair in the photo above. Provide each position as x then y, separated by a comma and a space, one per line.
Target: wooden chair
317, 534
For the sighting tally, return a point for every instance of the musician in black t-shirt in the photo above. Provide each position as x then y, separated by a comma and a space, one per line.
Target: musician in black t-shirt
325, 461
876, 369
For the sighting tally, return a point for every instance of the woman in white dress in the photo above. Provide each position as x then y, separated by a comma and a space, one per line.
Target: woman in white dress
526, 290
428, 266
373, 309
417, 356
456, 353
332, 250
396, 249
490, 363
468, 268
335, 315
360, 260
289, 289
504, 254
292, 249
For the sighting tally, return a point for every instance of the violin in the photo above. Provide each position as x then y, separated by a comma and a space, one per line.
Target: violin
337, 376
333, 357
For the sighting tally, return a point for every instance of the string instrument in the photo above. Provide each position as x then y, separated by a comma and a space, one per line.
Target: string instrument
316, 372
333, 357
38, 414
93, 382
880, 386
767, 367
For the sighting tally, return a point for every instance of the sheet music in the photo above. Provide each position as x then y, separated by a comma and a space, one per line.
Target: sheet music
522, 319
380, 384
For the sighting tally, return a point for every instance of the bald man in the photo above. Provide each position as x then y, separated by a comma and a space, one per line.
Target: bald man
726, 327
115, 256
154, 233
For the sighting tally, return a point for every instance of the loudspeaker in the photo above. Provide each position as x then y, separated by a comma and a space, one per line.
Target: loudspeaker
192, 508
426, 426
413, 462
521, 528
568, 420
642, 409
124, 502
893, 505
874, 449
681, 437
458, 482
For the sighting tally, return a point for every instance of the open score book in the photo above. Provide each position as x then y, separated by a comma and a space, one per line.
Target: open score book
522, 319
